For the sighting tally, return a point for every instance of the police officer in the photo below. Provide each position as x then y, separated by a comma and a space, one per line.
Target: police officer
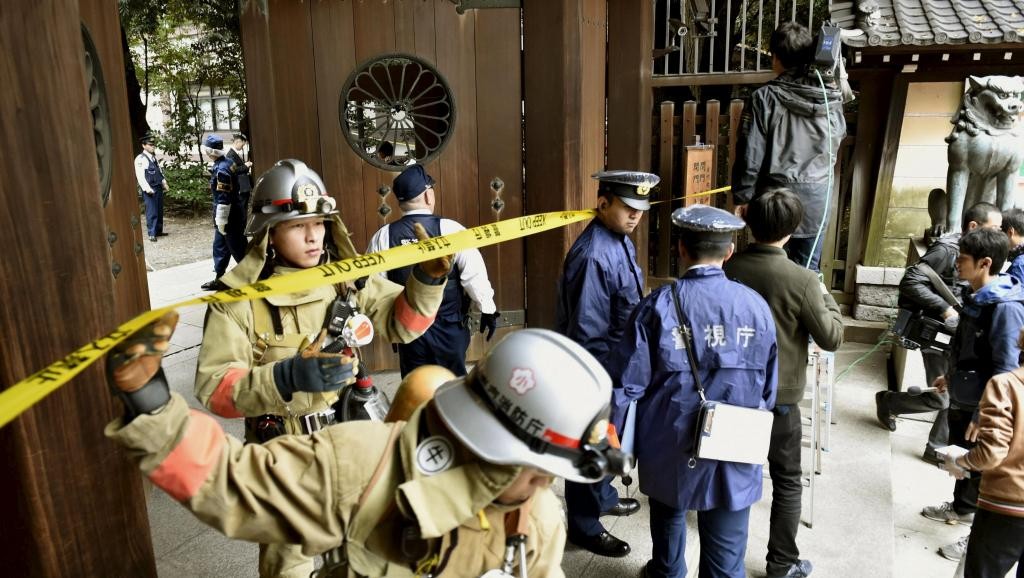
601, 284
734, 337
257, 360
153, 185
446, 341
240, 168
461, 490
229, 208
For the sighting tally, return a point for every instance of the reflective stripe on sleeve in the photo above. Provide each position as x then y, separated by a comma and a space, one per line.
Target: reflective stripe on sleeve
185, 469
222, 402
409, 317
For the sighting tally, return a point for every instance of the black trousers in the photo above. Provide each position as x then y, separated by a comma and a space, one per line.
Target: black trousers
444, 344
996, 544
785, 471
584, 504
965, 491
901, 402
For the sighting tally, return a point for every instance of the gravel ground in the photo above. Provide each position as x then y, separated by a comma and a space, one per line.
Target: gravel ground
189, 239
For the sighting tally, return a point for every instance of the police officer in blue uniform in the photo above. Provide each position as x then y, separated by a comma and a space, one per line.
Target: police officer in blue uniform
734, 338
229, 209
153, 185
601, 284
446, 341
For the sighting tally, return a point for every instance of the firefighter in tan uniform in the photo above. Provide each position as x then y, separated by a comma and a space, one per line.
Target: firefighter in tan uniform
250, 364
460, 490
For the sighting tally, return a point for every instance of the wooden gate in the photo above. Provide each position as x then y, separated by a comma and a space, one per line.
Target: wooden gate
299, 56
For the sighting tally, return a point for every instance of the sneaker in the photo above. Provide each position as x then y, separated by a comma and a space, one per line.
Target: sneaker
946, 513
152, 239
956, 550
801, 569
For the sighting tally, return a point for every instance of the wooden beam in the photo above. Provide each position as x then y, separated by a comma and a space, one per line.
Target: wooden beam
630, 100
886, 168
874, 97
72, 501
564, 131
665, 170
712, 78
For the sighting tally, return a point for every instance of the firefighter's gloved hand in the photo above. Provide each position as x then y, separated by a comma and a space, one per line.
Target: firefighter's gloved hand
489, 323
314, 371
133, 368
436, 268
220, 218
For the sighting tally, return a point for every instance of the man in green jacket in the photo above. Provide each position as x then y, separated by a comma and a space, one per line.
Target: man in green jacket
802, 307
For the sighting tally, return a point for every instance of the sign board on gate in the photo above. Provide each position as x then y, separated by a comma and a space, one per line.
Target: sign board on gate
698, 172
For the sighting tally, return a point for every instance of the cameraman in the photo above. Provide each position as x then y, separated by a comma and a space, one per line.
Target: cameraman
918, 294
783, 139
985, 345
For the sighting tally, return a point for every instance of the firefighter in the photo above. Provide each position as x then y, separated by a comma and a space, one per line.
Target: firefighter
460, 490
251, 363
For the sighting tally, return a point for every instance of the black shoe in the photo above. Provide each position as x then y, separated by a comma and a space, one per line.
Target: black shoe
885, 419
214, 285
603, 544
931, 457
161, 234
625, 507
152, 239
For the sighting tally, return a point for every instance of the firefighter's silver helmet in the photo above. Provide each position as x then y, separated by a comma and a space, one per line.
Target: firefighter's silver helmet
289, 190
536, 399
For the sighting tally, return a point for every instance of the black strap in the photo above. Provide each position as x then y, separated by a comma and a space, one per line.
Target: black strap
275, 318
940, 287
686, 334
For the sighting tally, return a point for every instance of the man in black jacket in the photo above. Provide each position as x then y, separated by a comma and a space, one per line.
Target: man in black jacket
918, 294
794, 123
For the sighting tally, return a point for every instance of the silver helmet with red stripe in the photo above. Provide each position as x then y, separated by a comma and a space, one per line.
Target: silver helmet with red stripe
536, 399
288, 190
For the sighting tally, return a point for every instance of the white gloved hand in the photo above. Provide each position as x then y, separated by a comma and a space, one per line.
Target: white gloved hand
220, 218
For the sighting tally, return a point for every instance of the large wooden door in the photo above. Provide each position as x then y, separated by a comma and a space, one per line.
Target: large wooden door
300, 55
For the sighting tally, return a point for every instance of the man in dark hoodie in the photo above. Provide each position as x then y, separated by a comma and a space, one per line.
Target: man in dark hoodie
1013, 226
985, 344
918, 294
785, 139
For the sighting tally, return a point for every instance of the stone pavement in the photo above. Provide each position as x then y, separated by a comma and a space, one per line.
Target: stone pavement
868, 497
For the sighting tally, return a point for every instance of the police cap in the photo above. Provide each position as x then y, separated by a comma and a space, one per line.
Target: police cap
214, 142
633, 187
147, 139
706, 219
411, 183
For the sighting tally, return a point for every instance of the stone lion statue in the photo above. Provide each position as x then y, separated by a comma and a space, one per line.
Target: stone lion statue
986, 147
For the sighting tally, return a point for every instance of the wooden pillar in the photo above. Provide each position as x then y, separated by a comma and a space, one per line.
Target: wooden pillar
564, 72
886, 167
631, 100
73, 503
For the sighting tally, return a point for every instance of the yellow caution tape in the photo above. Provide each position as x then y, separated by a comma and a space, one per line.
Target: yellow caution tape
21, 396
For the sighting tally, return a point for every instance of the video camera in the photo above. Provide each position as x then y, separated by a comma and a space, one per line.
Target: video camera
915, 330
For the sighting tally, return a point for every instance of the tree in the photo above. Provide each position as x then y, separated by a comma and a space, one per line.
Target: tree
182, 46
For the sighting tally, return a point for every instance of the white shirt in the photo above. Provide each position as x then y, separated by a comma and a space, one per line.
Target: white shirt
472, 271
141, 164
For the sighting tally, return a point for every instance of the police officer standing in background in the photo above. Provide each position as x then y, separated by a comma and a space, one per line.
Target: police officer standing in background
735, 348
446, 341
601, 284
228, 212
240, 167
153, 186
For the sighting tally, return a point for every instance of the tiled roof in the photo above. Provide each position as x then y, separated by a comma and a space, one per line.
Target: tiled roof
928, 22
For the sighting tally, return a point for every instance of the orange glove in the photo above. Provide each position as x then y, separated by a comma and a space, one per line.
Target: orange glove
133, 368
436, 268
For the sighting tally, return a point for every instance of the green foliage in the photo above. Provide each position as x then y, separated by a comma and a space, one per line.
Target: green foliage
189, 188
180, 48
